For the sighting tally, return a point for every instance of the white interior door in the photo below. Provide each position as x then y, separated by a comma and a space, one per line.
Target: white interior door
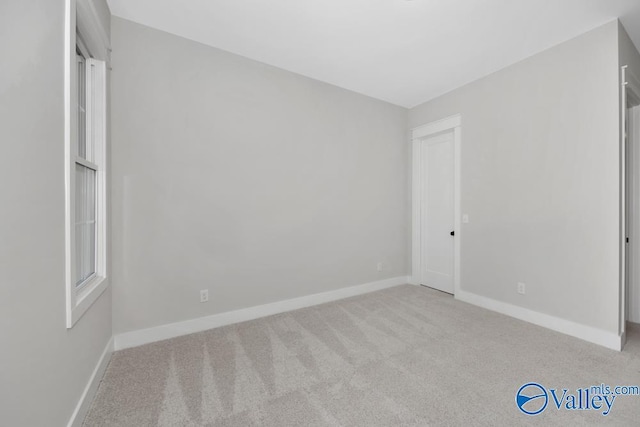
437, 213
632, 207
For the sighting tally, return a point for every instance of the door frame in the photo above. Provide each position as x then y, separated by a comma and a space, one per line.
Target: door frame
418, 205
630, 91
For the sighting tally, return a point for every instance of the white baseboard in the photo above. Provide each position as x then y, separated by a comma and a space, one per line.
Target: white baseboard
172, 330
587, 333
92, 386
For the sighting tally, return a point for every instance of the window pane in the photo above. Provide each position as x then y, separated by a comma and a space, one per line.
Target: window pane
82, 105
85, 226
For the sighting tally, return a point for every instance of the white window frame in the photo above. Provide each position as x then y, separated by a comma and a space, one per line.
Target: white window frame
82, 19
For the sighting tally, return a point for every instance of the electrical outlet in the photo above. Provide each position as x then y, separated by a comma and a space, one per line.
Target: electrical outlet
204, 295
521, 288
380, 266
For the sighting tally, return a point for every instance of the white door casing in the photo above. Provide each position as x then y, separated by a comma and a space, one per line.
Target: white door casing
436, 204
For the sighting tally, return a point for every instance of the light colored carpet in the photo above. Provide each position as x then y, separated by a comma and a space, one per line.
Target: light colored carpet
403, 356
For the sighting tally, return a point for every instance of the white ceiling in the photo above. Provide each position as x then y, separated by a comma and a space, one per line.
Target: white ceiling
401, 51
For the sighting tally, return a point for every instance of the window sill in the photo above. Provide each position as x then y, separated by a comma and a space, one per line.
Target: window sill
85, 297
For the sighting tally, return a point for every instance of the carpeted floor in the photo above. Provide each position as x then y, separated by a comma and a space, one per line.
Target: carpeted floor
399, 357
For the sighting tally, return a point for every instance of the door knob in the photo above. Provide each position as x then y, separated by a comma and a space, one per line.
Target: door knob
453, 233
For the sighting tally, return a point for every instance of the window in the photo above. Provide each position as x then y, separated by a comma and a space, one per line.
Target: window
86, 170
85, 137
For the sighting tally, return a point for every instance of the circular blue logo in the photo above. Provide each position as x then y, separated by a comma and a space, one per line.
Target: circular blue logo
532, 398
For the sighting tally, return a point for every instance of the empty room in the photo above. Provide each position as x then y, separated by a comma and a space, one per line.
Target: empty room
319, 213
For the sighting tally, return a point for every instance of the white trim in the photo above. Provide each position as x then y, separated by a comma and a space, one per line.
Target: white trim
69, 135
587, 333
89, 392
457, 176
451, 123
438, 126
172, 330
622, 287
85, 297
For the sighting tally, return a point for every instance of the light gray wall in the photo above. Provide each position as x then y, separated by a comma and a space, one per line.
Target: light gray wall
628, 52
44, 367
540, 180
104, 14
255, 183
629, 56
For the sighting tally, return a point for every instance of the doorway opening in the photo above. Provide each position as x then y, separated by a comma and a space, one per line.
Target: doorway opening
630, 209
